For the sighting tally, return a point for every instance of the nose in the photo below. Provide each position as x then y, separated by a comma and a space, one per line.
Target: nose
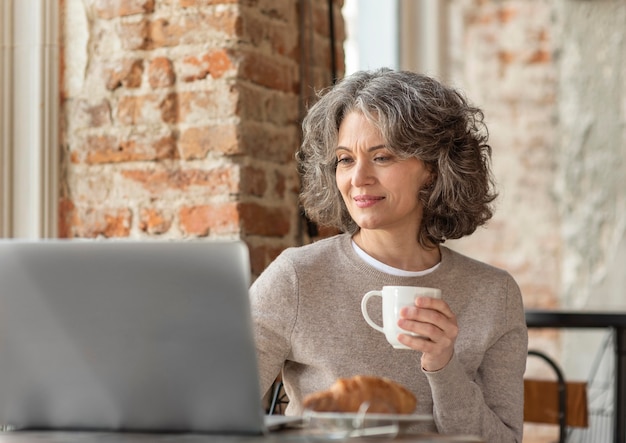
362, 174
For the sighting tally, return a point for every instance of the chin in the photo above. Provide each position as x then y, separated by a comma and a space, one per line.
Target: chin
368, 225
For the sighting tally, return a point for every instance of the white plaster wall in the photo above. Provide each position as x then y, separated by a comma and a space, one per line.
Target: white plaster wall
590, 184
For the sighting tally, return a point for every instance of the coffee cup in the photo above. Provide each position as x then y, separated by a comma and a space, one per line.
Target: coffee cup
393, 299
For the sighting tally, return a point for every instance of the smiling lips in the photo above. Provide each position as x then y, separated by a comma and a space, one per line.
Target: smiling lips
366, 201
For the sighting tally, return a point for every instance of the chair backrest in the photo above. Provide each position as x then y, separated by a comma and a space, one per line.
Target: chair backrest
541, 403
279, 399
558, 402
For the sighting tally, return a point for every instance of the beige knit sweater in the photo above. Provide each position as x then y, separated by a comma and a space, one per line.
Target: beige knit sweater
308, 323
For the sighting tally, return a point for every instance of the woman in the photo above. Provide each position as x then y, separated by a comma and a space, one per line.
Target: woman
399, 163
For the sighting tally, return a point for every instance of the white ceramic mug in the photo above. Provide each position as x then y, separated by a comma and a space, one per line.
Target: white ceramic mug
393, 299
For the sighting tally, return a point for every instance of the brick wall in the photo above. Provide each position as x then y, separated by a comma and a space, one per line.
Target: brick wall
181, 118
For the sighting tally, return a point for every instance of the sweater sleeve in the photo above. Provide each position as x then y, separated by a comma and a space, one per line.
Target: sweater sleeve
274, 304
491, 405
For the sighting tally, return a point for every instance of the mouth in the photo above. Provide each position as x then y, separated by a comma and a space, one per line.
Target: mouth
366, 201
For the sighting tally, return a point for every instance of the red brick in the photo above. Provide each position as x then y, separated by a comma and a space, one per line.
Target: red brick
192, 29
270, 27
340, 26
142, 109
154, 221
540, 56
284, 41
226, 21
283, 109
261, 256
266, 221
135, 35
264, 105
201, 3
92, 115
280, 185
108, 9
107, 222
161, 73
271, 72
196, 143
110, 149
209, 219
215, 63
340, 60
65, 217
127, 73
169, 108
506, 57
254, 29
129, 109
219, 181
507, 14
326, 231
277, 144
320, 18
282, 11
253, 181
198, 106
162, 33
253, 102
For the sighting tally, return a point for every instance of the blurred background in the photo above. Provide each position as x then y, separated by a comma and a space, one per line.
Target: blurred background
161, 119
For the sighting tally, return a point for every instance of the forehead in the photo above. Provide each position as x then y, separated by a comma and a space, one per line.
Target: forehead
356, 129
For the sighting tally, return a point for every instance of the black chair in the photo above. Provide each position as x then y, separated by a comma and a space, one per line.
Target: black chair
279, 399
559, 401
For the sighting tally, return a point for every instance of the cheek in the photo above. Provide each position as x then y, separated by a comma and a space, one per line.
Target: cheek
407, 192
341, 181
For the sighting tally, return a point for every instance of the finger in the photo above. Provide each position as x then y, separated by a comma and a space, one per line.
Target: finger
429, 331
435, 304
432, 324
416, 343
426, 315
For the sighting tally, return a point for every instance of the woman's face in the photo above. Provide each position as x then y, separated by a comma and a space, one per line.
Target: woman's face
379, 189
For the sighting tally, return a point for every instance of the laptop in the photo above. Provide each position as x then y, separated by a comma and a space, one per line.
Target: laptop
147, 336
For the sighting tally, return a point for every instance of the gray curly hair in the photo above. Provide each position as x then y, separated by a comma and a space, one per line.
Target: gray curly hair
417, 117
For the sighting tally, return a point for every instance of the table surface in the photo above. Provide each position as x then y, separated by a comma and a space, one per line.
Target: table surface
572, 318
272, 437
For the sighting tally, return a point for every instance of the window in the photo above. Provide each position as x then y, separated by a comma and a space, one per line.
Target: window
29, 90
399, 34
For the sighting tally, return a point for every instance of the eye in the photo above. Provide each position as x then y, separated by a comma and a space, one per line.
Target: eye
382, 158
344, 160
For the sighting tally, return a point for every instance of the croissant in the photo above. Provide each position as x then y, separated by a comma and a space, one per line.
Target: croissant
381, 395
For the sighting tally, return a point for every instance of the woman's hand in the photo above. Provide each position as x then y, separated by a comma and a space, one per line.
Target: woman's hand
436, 323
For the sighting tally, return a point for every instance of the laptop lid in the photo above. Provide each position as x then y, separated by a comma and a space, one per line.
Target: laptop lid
127, 335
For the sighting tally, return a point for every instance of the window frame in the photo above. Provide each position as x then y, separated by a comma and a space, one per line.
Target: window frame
29, 117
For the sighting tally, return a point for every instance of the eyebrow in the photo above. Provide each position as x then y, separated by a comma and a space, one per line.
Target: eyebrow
371, 149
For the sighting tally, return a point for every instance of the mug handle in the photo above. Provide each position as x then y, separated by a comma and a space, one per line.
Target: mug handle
366, 316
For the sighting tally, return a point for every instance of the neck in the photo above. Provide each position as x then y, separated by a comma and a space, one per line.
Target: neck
399, 252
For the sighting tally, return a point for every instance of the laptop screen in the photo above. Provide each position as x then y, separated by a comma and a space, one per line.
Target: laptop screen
127, 335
